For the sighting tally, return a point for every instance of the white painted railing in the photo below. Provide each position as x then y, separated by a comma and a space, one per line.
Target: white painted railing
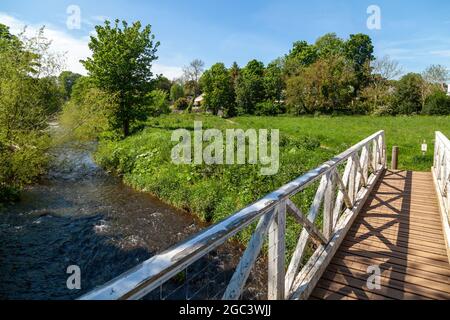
344, 184
441, 174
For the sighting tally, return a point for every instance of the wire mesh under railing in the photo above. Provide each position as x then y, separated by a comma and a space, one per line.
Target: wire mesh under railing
272, 249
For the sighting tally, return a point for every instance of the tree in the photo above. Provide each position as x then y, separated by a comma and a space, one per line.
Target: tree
386, 68
181, 104
436, 74
273, 81
85, 116
28, 98
377, 98
162, 83
121, 64
218, 88
192, 74
250, 87
437, 103
434, 78
159, 102
67, 79
329, 44
359, 51
176, 92
325, 86
408, 97
301, 55
234, 72
304, 53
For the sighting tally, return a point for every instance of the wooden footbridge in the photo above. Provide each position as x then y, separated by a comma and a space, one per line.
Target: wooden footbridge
369, 233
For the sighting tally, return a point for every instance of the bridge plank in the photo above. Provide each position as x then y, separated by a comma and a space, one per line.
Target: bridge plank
399, 230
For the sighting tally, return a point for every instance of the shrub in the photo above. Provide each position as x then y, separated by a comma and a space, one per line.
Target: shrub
269, 108
181, 104
437, 103
408, 97
159, 103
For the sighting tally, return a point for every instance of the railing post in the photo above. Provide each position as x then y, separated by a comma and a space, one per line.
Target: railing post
352, 179
328, 205
277, 248
436, 152
384, 150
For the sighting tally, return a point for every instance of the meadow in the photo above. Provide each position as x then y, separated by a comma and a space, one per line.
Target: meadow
213, 192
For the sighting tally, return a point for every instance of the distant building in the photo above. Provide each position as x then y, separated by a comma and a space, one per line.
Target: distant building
448, 89
199, 100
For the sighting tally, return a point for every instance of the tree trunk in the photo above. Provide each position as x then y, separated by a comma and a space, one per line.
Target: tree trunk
126, 128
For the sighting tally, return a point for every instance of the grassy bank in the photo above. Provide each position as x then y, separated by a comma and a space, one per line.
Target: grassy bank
216, 191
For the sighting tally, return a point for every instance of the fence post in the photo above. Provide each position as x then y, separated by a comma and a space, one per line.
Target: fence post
394, 162
277, 247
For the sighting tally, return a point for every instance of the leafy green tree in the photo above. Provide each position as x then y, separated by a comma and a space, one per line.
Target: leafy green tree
325, 86
234, 72
162, 83
28, 98
176, 92
86, 115
250, 87
273, 81
329, 44
159, 102
303, 53
408, 97
359, 51
377, 98
67, 79
121, 64
218, 88
438, 103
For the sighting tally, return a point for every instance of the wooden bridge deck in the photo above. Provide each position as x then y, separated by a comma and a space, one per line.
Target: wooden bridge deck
400, 231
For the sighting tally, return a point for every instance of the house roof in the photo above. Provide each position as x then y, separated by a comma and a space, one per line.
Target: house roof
200, 98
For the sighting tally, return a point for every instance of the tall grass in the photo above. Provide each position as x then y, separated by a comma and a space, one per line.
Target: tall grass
213, 192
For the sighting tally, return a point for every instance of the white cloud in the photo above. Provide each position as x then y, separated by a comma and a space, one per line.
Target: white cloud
75, 48
441, 53
168, 71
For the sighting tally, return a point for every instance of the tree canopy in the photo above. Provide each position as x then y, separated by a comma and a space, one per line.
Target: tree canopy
121, 62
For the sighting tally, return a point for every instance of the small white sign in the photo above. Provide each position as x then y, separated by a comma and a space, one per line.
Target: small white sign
424, 147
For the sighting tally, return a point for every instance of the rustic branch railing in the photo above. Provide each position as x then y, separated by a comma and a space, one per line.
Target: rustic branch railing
441, 174
338, 199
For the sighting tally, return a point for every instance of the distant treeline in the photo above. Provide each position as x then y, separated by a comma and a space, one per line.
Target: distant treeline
331, 76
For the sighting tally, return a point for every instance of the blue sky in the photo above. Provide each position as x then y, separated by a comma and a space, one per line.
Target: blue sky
416, 34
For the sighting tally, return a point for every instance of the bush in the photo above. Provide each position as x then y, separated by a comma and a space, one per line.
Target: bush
159, 103
437, 103
181, 104
85, 115
269, 108
408, 97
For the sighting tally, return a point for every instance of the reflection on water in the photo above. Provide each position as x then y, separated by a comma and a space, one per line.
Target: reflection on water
80, 216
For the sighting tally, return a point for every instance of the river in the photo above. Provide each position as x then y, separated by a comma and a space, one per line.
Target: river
80, 215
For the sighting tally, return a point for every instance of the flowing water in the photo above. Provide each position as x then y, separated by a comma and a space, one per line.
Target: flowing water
80, 215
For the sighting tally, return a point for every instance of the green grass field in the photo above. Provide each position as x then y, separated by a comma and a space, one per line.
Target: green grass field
216, 191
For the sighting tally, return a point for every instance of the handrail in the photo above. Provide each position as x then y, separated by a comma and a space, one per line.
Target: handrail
149, 275
441, 175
